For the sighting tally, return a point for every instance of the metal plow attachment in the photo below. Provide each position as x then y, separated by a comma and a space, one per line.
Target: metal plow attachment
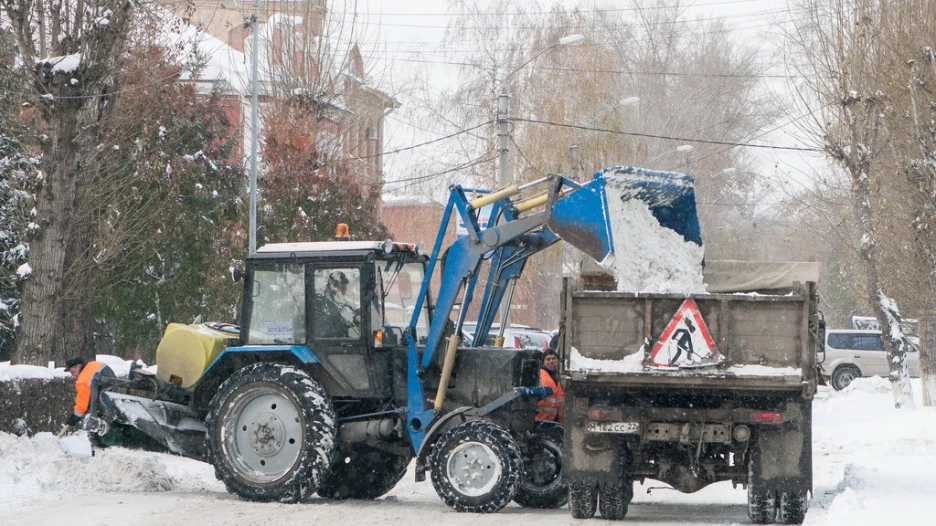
581, 218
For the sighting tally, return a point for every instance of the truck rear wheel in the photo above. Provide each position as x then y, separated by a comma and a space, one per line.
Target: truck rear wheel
762, 502
363, 473
583, 500
476, 467
792, 507
271, 433
613, 499
542, 485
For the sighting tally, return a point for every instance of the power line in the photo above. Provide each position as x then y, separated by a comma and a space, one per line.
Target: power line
469, 164
758, 14
621, 10
449, 136
615, 71
666, 137
755, 25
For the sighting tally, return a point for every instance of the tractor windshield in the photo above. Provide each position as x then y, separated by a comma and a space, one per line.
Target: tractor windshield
401, 284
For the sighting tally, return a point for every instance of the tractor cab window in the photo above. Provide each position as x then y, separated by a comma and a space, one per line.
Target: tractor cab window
337, 303
400, 283
277, 313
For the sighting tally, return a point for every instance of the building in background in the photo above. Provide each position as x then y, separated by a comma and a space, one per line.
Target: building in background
302, 52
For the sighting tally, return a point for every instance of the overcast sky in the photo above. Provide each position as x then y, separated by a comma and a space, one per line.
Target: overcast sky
405, 32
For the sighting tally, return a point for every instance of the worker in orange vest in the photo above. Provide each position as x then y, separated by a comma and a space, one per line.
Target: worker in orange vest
551, 408
87, 377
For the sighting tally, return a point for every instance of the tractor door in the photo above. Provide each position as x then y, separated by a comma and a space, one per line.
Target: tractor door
341, 317
275, 305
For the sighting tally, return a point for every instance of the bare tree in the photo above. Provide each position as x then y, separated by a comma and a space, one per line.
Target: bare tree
71, 51
862, 60
642, 80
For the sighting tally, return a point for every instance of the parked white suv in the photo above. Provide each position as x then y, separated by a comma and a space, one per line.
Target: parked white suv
851, 354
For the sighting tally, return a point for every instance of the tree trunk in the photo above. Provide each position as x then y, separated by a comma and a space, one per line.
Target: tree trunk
858, 159
928, 359
74, 327
73, 104
40, 292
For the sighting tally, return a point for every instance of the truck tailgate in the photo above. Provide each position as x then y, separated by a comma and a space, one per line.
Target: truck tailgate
764, 341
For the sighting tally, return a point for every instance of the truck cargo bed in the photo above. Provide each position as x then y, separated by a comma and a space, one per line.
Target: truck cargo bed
762, 341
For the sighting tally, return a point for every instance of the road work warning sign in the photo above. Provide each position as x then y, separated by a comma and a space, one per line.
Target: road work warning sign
686, 341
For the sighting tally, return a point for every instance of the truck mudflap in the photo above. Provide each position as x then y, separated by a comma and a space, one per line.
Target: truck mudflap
175, 426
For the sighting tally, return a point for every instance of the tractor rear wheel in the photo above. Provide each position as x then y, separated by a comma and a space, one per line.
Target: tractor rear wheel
363, 473
271, 433
476, 467
542, 485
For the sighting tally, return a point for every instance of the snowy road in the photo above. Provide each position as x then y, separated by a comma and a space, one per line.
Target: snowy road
411, 502
873, 465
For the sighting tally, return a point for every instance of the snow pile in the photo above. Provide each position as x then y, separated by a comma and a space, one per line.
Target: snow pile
23, 372
649, 257
9, 372
632, 363
46, 464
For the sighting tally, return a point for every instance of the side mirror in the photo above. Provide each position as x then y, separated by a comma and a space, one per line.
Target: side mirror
236, 274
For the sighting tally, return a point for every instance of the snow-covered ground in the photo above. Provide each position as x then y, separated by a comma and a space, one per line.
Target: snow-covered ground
874, 465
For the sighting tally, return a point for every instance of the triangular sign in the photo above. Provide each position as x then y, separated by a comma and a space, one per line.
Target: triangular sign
686, 341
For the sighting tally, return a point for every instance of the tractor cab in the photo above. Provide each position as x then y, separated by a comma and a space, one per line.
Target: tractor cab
349, 302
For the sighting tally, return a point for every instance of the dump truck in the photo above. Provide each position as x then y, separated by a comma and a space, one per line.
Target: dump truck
307, 396
692, 389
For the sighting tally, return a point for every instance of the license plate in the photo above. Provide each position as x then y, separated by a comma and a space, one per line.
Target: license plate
613, 427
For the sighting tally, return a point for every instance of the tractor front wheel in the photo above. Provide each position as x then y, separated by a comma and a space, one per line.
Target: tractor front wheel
476, 467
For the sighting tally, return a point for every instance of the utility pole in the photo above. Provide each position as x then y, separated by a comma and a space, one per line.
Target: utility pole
255, 52
503, 130
503, 140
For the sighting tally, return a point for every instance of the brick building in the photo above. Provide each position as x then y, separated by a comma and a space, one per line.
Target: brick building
300, 53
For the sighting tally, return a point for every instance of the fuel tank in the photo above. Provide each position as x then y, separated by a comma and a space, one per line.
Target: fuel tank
186, 350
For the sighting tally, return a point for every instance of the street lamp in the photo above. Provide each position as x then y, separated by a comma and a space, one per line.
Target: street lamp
503, 132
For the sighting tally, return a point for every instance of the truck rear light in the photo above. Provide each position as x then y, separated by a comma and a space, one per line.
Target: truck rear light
378, 339
766, 417
607, 414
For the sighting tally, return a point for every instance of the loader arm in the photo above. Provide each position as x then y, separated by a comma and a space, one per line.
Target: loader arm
570, 211
510, 242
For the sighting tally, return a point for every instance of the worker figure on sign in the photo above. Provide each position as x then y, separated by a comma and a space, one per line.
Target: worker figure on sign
552, 408
87, 376
346, 311
683, 338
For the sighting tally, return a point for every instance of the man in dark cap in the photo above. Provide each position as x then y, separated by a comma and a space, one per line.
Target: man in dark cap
87, 378
551, 408
344, 304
